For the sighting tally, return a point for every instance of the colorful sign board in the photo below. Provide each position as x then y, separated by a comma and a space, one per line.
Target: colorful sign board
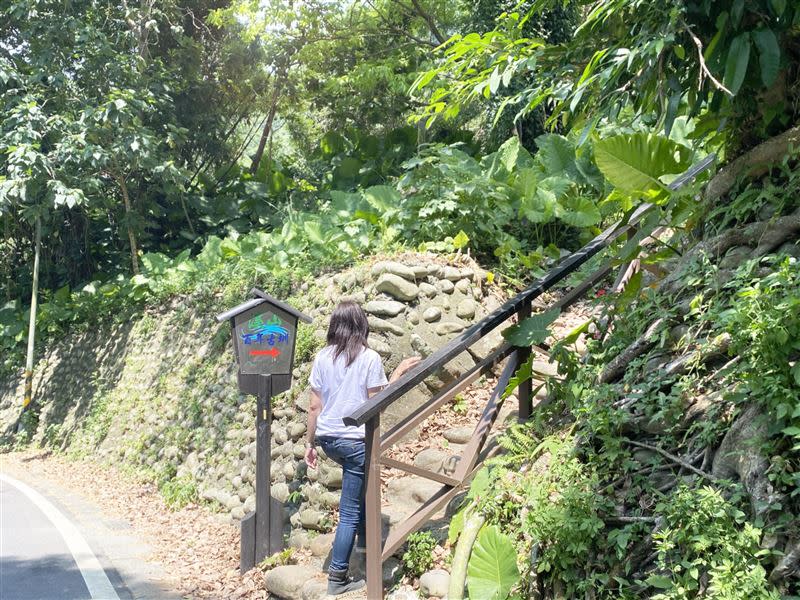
265, 338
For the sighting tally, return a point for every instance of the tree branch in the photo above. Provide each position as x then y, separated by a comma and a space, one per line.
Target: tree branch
393, 28
429, 20
419, 10
675, 459
703, 66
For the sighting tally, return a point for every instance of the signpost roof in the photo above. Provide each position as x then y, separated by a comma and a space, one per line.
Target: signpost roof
260, 298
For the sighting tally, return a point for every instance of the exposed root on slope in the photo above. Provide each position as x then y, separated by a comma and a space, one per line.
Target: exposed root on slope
739, 457
754, 163
640, 346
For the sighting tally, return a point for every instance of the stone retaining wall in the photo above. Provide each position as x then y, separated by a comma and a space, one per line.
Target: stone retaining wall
158, 391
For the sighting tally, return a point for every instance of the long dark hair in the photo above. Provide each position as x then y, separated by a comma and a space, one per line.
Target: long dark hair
348, 331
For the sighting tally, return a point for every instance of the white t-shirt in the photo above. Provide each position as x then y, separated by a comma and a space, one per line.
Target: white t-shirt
344, 388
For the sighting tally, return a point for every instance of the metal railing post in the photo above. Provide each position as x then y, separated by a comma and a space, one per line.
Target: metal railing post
524, 392
372, 500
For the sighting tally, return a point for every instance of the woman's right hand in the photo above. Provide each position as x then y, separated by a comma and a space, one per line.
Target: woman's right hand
405, 365
311, 457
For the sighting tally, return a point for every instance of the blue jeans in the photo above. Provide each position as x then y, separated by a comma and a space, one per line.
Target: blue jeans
350, 454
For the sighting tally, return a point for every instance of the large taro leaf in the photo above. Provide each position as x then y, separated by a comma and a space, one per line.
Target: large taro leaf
382, 197
539, 207
346, 204
526, 181
532, 330
509, 158
332, 143
556, 155
578, 212
556, 184
514, 155
492, 569
635, 162
347, 169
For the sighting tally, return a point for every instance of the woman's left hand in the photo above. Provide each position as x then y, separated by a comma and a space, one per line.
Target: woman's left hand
311, 458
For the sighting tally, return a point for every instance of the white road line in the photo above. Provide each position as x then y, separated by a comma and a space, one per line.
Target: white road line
93, 574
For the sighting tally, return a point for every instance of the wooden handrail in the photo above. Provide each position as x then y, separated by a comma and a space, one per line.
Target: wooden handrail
401, 429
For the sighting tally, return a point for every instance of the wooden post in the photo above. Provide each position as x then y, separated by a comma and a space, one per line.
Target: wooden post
263, 331
373, 506
263, 460
524, 392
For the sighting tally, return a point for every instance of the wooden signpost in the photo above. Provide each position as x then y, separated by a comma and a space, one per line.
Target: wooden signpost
264, 335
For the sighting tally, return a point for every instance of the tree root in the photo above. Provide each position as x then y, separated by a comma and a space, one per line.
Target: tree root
753, 163
789, 565
739, 456
765, 235
784, 229
616, 367
715, 349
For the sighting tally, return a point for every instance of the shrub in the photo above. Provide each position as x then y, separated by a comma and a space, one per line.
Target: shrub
418, 558
179, 492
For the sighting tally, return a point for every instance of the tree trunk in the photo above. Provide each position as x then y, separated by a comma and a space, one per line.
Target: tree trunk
131, 233
186, 214
32, 322
752, 163
7, 270
207, 160
267, 132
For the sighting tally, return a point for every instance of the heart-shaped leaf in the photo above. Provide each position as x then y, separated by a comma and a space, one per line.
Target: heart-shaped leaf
532, 330
634, 163
492, 569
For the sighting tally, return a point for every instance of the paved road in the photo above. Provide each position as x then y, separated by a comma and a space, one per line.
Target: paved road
42, 554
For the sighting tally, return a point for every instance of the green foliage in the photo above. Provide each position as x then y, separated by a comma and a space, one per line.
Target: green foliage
418, 556
295, 497
29, 423
305, 244
706, 543
459, 405
492, 571
763, 320
106, 155
690, 58
532, 330
307, 344
637, 163
284, 557
179, 491
560, 505
568, 492
563, 516
510, 204
773, 192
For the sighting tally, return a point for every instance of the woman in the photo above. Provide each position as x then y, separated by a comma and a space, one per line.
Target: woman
345, 373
